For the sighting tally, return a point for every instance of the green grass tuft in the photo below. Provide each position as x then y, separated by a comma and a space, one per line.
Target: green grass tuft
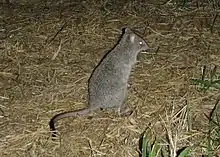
185, 152
149, 149
205, 84
213, 138
153, 149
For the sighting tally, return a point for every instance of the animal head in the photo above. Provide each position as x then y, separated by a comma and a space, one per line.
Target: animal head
135, 42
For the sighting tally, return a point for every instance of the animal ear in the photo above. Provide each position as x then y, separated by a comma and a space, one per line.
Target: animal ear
130, 34
128, 30
132, 38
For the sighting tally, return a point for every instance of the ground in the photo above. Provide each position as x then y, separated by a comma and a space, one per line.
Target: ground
48, 50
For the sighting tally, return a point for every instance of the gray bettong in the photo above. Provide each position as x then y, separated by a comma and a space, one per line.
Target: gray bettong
107, 85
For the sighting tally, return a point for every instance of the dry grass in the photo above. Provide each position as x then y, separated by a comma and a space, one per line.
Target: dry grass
49, 48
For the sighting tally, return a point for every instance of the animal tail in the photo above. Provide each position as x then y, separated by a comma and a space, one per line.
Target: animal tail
57, 117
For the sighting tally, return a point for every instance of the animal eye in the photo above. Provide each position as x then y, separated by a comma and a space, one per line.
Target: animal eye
141, 43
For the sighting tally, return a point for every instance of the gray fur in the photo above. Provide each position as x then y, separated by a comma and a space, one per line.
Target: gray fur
108, 83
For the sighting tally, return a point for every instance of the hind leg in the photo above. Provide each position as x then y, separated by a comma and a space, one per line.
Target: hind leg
122, 108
